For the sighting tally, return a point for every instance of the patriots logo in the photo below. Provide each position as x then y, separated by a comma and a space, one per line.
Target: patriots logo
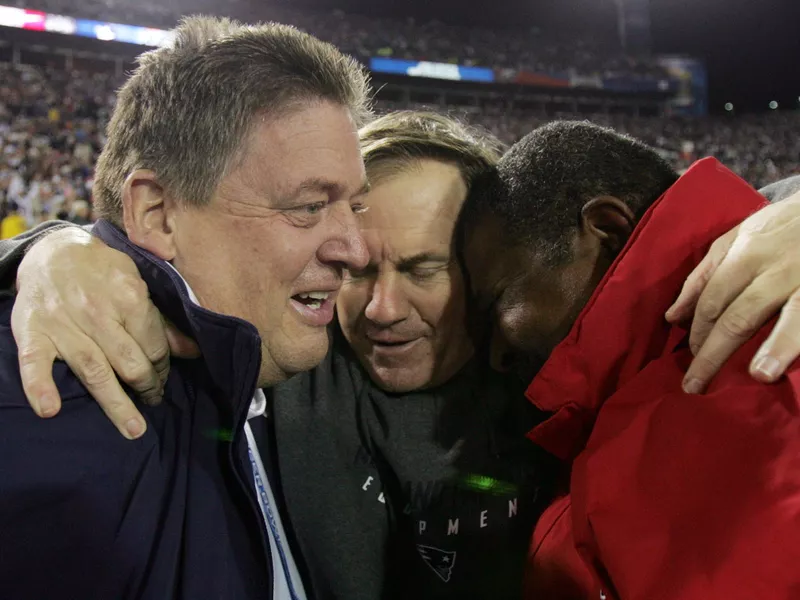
440, 561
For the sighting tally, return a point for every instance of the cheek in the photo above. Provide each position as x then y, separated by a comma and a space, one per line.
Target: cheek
260, 259
352, 301
440, 303
517, 326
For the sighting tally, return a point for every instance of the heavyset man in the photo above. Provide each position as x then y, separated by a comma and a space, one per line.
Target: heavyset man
231, 178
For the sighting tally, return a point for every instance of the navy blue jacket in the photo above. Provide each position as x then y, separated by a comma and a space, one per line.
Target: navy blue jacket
86, 514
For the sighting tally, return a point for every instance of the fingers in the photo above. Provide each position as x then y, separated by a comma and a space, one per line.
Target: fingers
149, 352
180, 345
737, 324
684, 306
36, 356
88, 362
732, 276
129, 361
782, 347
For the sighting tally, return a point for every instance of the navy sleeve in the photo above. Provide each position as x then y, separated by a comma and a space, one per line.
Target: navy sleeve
67, 488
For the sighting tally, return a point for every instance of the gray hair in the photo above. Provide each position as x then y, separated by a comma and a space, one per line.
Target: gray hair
189, 107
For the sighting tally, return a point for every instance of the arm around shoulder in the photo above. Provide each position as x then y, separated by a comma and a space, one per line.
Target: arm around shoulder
13, 250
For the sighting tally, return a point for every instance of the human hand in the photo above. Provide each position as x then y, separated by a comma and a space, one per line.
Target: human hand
746, 277
85, 303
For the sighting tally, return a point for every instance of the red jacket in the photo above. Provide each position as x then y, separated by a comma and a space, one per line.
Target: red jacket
672, 496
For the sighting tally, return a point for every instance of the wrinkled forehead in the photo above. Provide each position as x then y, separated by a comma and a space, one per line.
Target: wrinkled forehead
414, 210
311, 141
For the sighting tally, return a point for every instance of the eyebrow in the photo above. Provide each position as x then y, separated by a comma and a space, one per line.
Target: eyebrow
364, 189
410, 262
317, 184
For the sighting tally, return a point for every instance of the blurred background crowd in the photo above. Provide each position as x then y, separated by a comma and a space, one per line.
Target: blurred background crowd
366, 36
52, 119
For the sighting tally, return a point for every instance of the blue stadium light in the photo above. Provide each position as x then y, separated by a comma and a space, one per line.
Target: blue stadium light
773, 105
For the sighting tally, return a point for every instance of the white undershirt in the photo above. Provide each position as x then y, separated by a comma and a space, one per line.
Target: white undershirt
285, 579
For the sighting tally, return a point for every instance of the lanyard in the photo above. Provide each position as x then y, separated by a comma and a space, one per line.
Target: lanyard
269, 516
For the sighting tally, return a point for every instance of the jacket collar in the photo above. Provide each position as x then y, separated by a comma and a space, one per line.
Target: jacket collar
622, 328
230, 347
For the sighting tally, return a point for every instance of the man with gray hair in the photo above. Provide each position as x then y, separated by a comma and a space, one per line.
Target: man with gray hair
231, 177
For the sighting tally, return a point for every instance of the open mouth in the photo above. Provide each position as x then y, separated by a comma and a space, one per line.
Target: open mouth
315, 308
313, 300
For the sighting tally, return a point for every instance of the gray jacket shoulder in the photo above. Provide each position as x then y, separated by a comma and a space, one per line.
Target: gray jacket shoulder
780, 190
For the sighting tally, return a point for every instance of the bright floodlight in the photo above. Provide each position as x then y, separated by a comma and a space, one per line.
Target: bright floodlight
729, 107
773, 105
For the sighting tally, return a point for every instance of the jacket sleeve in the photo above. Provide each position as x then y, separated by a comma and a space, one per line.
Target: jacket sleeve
13, 250
555, 570
780, 190
66, 485
694, 497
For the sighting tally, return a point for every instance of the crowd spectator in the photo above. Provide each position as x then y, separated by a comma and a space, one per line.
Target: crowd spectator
13, 223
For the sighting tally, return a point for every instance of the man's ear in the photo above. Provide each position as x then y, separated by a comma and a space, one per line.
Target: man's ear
148, 214
610, 220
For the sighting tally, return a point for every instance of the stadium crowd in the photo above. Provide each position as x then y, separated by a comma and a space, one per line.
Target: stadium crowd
761, 148
52, 129
51, 132
365, 36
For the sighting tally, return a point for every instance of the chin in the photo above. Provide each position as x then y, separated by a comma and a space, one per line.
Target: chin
398, 382
288, 355
307, 356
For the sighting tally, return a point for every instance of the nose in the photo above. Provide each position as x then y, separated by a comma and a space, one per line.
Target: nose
387, 305
501, 357
345, 246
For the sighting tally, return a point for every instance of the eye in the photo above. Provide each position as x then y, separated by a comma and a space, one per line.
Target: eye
359, 209
423, 274
315, 208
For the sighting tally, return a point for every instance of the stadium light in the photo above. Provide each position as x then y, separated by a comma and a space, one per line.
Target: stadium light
773, 105
729, 107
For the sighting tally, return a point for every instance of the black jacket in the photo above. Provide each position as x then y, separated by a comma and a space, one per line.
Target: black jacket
86, 514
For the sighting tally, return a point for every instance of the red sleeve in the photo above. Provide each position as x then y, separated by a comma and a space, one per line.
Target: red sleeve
693, 497
555, 569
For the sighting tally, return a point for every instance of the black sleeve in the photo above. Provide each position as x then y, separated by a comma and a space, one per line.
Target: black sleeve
12, 251
67, 489
780, 190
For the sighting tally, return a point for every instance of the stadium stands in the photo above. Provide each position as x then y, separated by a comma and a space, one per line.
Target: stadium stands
365, 37
52, 118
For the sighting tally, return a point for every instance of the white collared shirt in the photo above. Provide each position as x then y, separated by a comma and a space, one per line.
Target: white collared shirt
286, 581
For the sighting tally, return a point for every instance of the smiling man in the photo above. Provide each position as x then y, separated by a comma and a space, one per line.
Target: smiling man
231, 178
404, 314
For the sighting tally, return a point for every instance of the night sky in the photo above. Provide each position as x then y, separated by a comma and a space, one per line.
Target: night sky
751, 47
